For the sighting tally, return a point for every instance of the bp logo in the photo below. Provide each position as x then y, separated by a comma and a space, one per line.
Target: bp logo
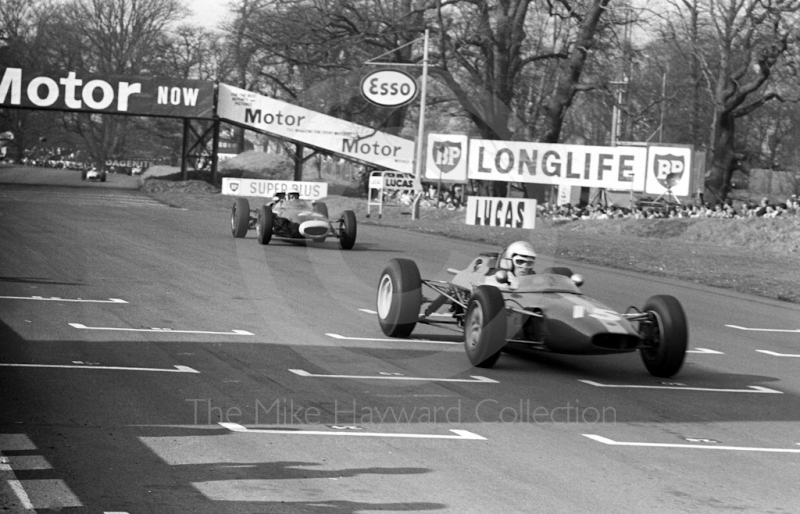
234, 186
446, 155
669, 169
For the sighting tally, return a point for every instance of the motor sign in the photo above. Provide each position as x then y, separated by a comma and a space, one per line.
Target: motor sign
389, 88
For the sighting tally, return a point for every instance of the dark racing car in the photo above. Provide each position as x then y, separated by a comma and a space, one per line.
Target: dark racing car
545, 311
290, 217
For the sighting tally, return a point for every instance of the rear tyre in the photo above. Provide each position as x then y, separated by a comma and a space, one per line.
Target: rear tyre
558, 271
240, 217
348, 231
399, 297
668, 338
485, 327
321, 208
264, 225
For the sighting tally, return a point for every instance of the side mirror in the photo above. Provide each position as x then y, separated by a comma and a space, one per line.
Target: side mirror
577, 279
504, 264
501, 276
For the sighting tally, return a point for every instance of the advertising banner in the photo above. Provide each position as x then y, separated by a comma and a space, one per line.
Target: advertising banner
141, 96
447, 158
268, 188
669, 168
303, 125
618, 168
501, 212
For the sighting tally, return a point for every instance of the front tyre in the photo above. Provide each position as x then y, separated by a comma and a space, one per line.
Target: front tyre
264, 225
240, 217
668, 337
348, 230
485, 326
399, 298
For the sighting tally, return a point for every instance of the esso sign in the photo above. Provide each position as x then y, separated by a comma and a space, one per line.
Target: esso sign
389, 88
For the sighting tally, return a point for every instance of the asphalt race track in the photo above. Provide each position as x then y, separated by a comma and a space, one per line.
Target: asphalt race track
151, 363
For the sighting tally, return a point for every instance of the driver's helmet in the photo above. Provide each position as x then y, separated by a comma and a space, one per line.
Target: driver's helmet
522, 256
293, 196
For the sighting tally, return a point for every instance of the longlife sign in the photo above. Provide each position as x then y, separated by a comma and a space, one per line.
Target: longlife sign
617, 168
268, 188
109, 94
501, 212
303, 125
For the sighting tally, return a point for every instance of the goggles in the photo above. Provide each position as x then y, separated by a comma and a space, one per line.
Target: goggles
523, 261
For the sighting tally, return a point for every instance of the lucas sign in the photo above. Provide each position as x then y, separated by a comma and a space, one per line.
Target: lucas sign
389, 88
617, 168
501, 212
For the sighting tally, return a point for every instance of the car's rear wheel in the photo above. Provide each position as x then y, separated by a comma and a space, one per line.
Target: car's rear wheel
558, 270
240, 217
485, 326
321, 208
348, 230
264, 225
667, 338
399, 297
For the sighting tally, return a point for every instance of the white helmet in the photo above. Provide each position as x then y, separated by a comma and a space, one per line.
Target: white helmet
522, 256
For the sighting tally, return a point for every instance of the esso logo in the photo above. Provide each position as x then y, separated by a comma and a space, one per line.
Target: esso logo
389, 88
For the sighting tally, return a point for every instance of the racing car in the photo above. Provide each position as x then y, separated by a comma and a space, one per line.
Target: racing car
544, 311
94, 174
288, 216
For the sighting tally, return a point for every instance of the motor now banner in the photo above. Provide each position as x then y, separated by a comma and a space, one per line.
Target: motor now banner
303, 125
73, 91
617, 168
501, 212
447, 158
268, 188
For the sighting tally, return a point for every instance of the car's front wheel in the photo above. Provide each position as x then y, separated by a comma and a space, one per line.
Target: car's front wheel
348, 230
240, 217
264, 225
399, 298
485, 326
666, 338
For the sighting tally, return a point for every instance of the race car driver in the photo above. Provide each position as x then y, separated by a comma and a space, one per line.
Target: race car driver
522, 257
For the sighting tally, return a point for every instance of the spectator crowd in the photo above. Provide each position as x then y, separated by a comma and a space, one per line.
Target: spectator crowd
648, 210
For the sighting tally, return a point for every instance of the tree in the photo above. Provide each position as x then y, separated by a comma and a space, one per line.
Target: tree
751, 38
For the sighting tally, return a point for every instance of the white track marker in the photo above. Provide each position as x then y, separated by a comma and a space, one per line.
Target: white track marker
776, 354
393, 340
751, 389
368, 311
24, 501
604, 440
57, 299
473, 380
704, 350
178, 368
765, 329
164, 330
460, 434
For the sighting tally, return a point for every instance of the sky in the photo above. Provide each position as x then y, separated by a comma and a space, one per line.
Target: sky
207, 13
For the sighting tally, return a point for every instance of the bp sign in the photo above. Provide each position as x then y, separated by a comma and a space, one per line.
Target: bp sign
389, 88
